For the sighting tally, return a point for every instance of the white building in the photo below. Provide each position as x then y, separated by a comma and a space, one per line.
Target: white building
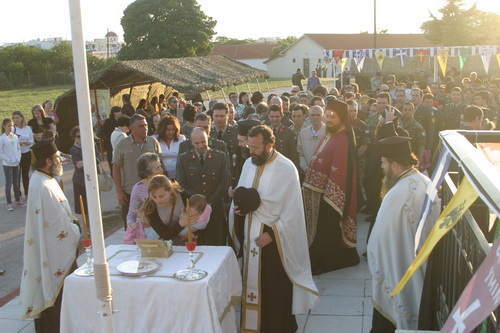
307, 51
104, 47
45, 44
252, 54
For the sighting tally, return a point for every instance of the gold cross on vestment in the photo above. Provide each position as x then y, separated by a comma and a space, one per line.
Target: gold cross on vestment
252, 297
254, 252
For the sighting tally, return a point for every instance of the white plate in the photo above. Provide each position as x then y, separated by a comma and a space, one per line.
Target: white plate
138, 267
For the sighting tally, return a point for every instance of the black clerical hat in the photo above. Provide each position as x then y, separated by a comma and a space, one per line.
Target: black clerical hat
245, 125
395, 146
247, 199
340, 108
44, 149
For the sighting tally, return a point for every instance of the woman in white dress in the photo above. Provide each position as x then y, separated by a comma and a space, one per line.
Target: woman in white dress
170, 139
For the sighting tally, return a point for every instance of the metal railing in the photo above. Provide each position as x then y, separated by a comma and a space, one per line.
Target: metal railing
460, 253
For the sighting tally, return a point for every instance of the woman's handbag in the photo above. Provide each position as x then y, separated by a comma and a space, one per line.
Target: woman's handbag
104, 179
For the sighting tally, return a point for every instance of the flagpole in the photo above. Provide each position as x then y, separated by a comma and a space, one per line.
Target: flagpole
101, 273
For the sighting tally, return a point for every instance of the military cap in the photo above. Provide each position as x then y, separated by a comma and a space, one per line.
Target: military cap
245, 125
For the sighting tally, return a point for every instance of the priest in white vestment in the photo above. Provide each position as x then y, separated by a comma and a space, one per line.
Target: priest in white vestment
50, 241
277, 280
392, 242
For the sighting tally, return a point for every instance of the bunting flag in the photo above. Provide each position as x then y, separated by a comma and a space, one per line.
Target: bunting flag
380, 55
458, 205
431, 194
443, 59
498, 59
342, 63
486, 57
359, 59
479, 298
401, 53
337, 55
422, 55
464, 54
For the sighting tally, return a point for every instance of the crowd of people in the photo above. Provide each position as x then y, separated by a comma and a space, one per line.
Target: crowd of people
281, 179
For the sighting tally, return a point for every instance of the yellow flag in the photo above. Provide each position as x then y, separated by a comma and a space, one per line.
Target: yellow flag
443, 59
458, 205
498, 59
380, 55
342, 63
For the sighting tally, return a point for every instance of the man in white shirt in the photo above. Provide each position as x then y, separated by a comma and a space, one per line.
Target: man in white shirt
308, 138
121, 130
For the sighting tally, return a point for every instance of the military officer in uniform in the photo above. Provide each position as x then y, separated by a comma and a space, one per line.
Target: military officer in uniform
228, 134
203, 121
285, 139
204, 170
415, 130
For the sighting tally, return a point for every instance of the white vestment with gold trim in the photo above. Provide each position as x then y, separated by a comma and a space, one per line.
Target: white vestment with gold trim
281, 208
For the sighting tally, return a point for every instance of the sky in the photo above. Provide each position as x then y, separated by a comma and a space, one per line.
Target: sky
235, 18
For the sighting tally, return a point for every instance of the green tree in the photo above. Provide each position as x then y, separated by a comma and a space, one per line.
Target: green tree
283, 45
223, 40
61, 57
165, 29
460, 26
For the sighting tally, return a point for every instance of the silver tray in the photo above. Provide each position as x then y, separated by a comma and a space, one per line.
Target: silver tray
138, 267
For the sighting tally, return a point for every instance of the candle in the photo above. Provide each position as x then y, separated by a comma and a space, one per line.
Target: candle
190, 234
82, 209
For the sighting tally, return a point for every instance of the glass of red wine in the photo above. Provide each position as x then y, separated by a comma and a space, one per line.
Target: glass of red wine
89, 265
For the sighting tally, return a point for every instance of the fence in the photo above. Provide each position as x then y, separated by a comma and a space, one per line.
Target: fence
460, 253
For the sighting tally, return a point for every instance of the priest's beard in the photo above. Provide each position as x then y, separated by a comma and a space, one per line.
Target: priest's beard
333, 128
56, 169
260, 159
245, 153
388, 182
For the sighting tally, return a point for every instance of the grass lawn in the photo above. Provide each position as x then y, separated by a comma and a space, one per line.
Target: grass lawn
24, 99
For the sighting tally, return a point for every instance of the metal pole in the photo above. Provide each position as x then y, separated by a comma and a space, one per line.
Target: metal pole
208, 95
258, 84
224, 94
101, 278
249, 91
268, 90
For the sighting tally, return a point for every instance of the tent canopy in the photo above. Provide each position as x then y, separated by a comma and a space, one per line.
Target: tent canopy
151, 77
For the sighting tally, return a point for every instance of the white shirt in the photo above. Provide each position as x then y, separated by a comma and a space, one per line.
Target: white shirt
25, 134
117, 136
170, 154
10, 151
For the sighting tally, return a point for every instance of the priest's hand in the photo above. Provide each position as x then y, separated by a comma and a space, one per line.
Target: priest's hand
237, 211
263, 240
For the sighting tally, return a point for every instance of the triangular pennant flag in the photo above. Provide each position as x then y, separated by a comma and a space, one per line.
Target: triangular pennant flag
380, 55
443, 59
401, 53
486, 57
498, 59
465, 52
421, 55
463, 198
337, 55
342, 63
359, 59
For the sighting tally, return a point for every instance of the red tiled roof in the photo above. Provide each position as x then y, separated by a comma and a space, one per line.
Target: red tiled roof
245, 51
365, 41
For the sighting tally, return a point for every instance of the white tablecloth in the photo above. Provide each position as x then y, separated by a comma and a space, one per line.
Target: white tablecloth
159, 303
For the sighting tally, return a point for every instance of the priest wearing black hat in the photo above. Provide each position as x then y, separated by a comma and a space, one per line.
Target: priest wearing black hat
330, 194
50, 241
392, 241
